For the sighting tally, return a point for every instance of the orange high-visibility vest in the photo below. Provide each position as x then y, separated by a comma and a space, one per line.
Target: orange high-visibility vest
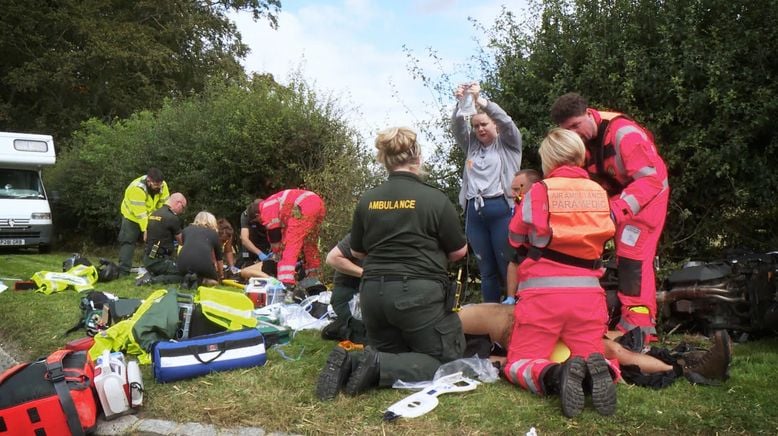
579, 217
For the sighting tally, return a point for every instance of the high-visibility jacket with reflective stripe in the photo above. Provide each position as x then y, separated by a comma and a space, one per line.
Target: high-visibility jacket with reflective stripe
138, 204
276, 209
579, 216
568, 213
626, 162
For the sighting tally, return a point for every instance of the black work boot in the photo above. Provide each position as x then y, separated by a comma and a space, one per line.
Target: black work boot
712, 367
334, 375
571, 386
550, 379
603, 388
366, 374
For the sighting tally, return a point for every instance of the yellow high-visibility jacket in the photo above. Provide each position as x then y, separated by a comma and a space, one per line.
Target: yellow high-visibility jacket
138, 203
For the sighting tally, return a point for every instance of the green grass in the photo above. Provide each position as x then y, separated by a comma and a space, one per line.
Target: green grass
280, 395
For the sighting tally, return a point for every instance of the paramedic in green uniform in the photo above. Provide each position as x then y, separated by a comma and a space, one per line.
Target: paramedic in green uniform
163, 231
407, 232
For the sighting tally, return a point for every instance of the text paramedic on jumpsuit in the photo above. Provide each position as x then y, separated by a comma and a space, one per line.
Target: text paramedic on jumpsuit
621, 156
292, 219
559, 229
492, 147
407, 231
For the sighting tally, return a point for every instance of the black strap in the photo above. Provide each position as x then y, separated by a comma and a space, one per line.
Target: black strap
599, 151
536, 253
57, 376
196, 353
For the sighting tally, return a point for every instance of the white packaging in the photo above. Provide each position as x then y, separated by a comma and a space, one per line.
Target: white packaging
110, 382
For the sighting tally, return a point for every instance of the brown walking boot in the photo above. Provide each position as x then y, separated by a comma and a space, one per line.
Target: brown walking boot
712, 367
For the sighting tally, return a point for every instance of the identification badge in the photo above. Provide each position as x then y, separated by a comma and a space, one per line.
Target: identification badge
630, 235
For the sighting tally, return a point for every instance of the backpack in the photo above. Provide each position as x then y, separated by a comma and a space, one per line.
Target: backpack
52, 395
91, 313
108, 271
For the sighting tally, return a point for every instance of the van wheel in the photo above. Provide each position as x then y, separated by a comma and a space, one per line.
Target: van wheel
43, 249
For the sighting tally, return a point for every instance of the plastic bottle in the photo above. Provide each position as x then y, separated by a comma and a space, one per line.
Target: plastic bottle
135, 381
466, 105
110, 381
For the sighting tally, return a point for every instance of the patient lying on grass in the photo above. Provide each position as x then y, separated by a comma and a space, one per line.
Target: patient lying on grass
657, 368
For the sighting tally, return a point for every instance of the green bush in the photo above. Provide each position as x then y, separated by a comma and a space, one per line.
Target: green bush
221, 149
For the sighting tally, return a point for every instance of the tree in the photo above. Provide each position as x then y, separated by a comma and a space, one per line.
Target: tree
67, 61
710, 98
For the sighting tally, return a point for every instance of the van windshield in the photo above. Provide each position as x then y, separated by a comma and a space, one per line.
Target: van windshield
20, 184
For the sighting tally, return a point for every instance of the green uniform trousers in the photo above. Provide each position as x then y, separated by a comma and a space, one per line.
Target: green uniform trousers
351, 328
407, 322
128, 237
162, 269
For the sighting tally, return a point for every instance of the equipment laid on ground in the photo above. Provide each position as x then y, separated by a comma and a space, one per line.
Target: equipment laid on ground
265, 291
273, 333
205, 354
79, 277
119, 385
111, 384
50, 396
739, 293
425, 400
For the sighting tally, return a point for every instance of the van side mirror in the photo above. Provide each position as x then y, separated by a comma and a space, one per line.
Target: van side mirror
54, 196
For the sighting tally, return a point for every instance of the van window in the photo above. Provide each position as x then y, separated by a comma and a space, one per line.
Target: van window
30, 145
20, 184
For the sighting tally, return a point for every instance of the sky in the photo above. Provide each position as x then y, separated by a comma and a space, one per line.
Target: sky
353, 51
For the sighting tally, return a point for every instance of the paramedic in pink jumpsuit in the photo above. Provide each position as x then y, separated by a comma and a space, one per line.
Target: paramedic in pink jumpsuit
293, 218
558, 233
621, 156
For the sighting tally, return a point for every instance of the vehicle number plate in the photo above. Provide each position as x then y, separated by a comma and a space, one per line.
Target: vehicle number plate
11, 241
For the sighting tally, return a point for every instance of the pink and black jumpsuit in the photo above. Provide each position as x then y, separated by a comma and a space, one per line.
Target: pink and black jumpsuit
624, 160
293, 218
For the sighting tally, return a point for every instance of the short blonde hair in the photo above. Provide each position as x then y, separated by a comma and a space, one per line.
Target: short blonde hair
397, 146
205, 219
561, 147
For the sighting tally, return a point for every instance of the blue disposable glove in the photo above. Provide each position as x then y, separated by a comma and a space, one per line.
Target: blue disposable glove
509, 300
264, 257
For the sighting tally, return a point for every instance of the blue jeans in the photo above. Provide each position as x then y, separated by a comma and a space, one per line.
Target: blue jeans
487, 233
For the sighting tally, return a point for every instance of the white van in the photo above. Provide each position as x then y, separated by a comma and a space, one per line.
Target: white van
25, 215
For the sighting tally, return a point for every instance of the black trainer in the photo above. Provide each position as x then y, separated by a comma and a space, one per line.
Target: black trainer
603, 388
366, 374
571, 386
334, 375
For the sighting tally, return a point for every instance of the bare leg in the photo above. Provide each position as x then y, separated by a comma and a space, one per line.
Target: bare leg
252, 271
646, 363
493, 319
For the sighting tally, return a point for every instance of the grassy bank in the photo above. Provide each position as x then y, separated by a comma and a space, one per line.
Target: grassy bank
280, 396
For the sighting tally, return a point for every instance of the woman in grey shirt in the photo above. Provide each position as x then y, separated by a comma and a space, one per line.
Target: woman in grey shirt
492, 146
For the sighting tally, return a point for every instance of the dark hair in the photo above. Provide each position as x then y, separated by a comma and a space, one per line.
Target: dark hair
532, 175
155, 174
225, 229
253, 209
567, 106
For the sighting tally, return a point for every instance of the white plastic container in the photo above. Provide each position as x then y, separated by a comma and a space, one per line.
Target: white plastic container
111, 384
135, 381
